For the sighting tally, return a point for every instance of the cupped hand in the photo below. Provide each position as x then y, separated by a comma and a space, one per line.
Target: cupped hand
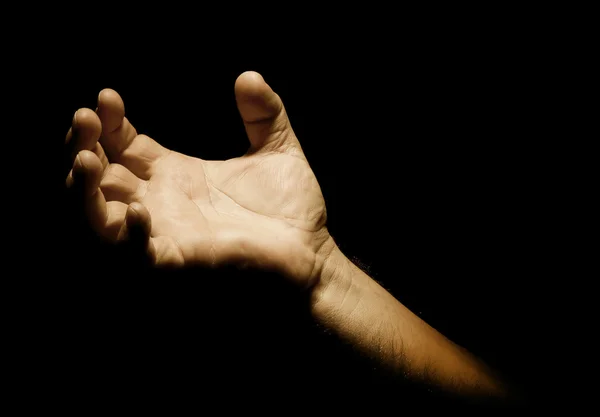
263, 209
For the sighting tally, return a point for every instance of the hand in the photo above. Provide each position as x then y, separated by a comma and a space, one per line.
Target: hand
263, 209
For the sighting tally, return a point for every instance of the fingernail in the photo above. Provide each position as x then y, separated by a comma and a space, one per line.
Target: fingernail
78, 161
75, 119
131, 214
69, 181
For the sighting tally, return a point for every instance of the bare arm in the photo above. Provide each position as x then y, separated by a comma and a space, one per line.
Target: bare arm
358, 310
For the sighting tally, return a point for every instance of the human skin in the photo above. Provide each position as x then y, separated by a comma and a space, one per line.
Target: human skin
264, 210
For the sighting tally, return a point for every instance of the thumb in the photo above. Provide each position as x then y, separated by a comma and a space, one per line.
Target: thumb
264, 116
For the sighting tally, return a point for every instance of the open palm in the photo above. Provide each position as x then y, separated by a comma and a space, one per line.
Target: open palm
262, 209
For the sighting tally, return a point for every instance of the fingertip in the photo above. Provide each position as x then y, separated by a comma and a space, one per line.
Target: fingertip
111, 109
256, 100
87, 168
137, 213
251, 84
108, 95
87, 160
86, 127
85, 118
83, 134
250, 77
135, 233
138, 217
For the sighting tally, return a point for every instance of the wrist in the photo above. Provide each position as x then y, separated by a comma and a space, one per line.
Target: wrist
334, 282
334, 266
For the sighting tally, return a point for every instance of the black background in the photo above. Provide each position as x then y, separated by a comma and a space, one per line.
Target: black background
432, 148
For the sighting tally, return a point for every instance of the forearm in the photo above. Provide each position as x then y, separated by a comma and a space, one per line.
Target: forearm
357, 309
